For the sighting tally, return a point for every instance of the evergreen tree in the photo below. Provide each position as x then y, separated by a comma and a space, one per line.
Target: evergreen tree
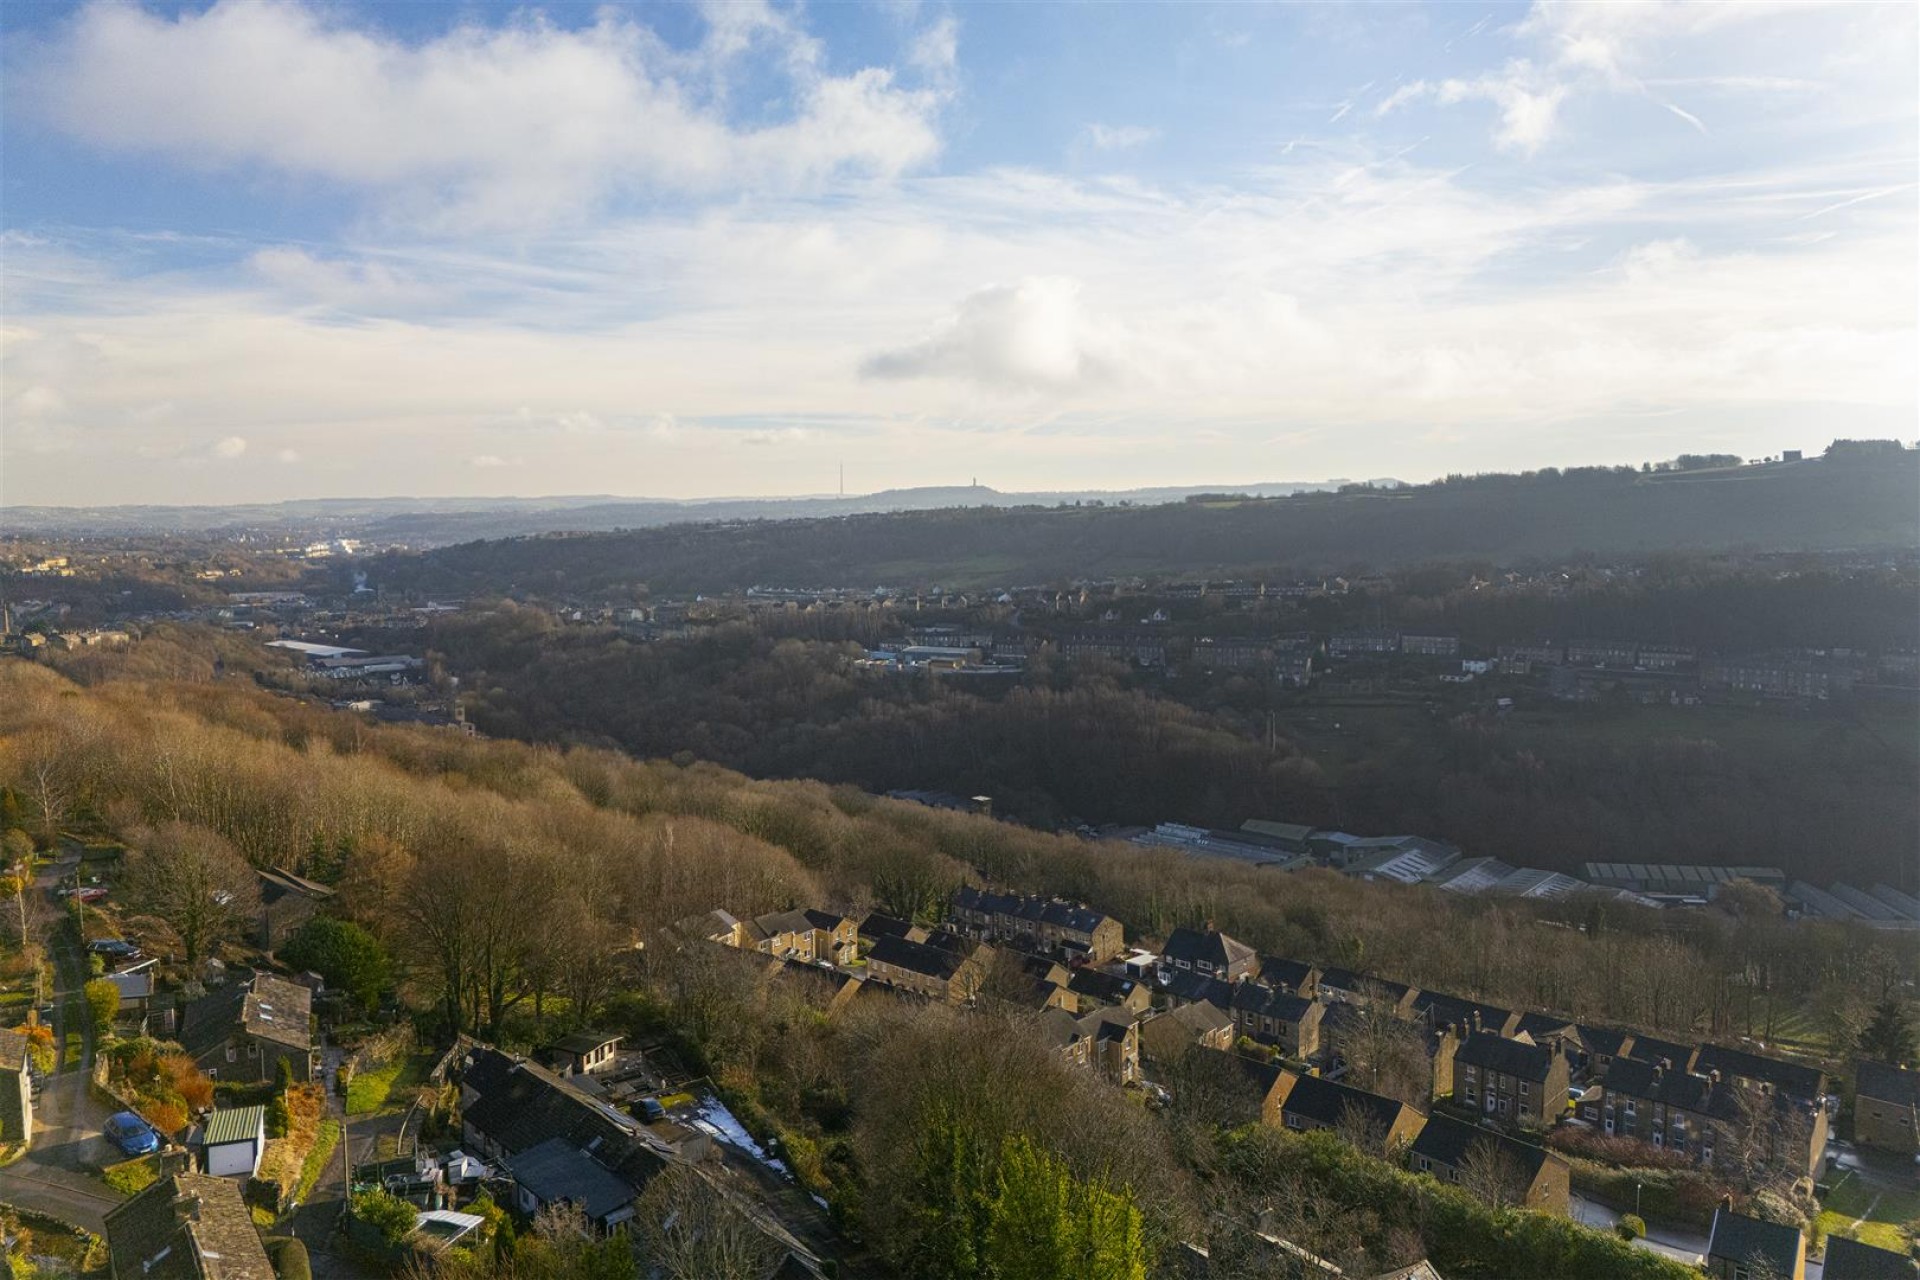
1889, 1036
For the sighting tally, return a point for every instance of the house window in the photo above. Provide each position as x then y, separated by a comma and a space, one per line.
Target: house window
1426, 1165
1294, 1122
1706, 1153
233, 1054
1472, 1100
1523, 1088
1503, 1106
253, 1051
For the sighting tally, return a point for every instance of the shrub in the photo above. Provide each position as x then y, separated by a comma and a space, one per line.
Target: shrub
289, 1258
1631, 1227
385, 1212
278, 1118
166, 1116
104, 999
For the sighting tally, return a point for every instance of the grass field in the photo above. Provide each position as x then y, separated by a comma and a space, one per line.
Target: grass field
1881, 1214
372, 1091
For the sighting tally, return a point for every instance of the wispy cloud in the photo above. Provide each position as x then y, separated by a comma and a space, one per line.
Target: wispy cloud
1122, 137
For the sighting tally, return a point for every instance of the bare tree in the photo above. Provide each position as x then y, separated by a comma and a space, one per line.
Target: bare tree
195, 881
1493, 1175
689, 1229
1360, 1129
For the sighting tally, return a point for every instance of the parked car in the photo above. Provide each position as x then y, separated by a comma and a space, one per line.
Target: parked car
134, 1136
651, 1110
92, 893
118, 948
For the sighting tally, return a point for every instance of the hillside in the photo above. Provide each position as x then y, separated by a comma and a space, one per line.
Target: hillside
1815, 505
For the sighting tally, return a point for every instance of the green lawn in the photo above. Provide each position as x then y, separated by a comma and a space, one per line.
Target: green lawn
370, 1091
130, 1177
315, 1164
1884, 1212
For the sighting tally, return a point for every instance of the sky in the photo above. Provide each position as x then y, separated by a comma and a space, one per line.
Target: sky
274, 249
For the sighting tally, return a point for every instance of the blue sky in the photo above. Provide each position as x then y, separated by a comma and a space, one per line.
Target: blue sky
280, 249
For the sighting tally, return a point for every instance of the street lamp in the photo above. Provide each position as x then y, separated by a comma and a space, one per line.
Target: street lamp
1636, 1199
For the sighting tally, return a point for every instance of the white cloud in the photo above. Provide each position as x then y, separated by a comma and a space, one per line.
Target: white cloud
230, 447
1529, 102
480, 126
1045, 323
1034, 335
1120, 137
289, 456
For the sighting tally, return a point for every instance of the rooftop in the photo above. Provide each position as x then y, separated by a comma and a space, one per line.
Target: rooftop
1742, 1239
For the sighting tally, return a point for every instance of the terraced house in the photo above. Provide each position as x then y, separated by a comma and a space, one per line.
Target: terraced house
1290, 1023
1047, 923
1511, 1080
1495, 1167
1716, 1121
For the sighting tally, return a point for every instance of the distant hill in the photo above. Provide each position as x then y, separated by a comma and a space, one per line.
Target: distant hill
1610, 513
431, 522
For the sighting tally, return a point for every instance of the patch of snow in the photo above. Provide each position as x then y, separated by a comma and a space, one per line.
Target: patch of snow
712, 1118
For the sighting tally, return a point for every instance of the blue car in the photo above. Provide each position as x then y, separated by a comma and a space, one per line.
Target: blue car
132, 1135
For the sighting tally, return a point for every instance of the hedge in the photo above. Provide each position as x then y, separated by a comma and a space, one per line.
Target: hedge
1465, 1238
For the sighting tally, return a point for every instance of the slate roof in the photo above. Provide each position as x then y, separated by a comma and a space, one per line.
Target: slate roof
1515, 1058
1888, 1084
1851, 1260
521, 1105
13, 1051
1189, 987
1327, 1101
266, 1007
1355, 983
778, 922
1541, 1025
1278, 971
1210, 945
1653, 1049
1449, 1141
916, 957
826, 921
1199, 1018
1790, 1078
1740, 1238
556, 1170
186, 1227
1096, 985
1606, 1041
1251, 997
240, 1124
1440, 1009
584, 1042
882, 926
1031, 909
277, 883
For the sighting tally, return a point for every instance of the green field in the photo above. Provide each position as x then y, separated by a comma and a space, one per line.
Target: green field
372, 1091
1881, 1213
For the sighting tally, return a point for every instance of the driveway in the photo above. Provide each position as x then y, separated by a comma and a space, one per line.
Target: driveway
58, 1175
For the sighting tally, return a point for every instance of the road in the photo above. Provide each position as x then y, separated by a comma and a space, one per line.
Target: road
1681, 1246
57, 1176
